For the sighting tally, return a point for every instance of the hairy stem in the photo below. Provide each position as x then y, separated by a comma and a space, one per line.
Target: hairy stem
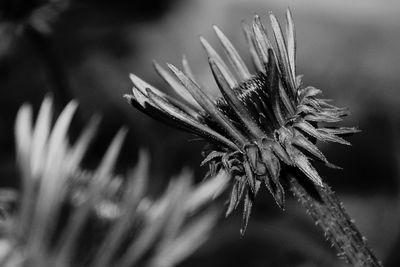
329, 215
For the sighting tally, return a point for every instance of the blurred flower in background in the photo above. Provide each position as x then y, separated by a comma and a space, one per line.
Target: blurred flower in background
66, 216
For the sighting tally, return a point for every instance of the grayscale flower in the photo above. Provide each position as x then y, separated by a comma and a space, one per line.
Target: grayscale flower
67, 216
264, 123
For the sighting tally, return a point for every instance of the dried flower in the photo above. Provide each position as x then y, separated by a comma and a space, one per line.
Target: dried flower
263, 123
67, 216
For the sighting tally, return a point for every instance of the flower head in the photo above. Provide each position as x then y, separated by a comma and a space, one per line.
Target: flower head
263, 123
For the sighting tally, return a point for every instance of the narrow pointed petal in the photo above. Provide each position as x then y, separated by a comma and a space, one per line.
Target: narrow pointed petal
307, 128
280, 152
142, 85
302, 162
252, 49
232, 99
177, 216
291, 41
273, 87
252, 154
211, 156
23, 135
79, 149
233, 83
188, 120
271, 162
251, 180
341, 130
135, 189
209, 106
175, 85
107, 164
282, 55
57, 140
306, 109
258, 186
320, 134
320, 117
139, 178
261, 41
40, 136
138, 97
233, 199
233, 56
193, 235
273, 166
276, 191
327, 136
53, 180
188, 70
242, 186
154, 226
151, 109
309, 91
302, 142
206, 192
279, 195
287, 102
248, 204
140, 93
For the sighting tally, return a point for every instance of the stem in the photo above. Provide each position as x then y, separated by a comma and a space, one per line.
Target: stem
330, 216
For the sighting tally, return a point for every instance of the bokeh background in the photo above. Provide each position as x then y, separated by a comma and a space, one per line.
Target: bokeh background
350, 49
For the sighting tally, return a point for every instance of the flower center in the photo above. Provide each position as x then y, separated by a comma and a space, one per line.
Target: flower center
254, 93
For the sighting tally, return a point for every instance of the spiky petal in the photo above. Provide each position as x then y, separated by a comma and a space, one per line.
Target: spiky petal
270, 117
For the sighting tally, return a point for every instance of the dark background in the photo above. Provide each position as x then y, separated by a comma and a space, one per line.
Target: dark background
351, 50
